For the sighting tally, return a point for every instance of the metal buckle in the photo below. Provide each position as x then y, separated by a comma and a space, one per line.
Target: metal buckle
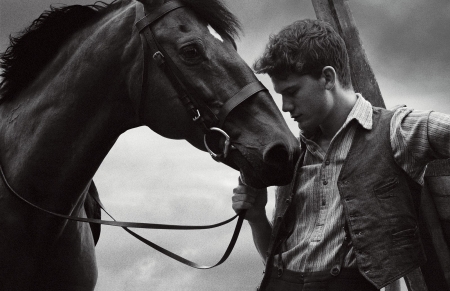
219, 157
158, 57
195, 118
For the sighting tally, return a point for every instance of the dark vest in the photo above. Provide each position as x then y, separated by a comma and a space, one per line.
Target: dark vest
380, 206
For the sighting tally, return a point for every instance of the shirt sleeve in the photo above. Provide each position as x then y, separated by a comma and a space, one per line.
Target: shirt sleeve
417, 138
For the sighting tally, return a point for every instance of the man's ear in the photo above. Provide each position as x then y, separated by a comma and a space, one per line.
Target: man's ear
330, 76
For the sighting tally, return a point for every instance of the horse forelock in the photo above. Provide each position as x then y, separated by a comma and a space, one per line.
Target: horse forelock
216, 14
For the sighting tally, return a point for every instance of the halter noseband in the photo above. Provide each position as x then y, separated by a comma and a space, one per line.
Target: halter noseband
200, 113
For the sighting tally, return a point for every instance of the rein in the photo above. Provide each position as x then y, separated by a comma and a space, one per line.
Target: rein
125, 225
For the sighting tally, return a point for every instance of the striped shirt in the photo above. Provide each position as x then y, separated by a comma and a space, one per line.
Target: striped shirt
417, 137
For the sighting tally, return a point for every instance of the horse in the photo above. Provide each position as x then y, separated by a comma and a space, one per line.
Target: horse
80, 76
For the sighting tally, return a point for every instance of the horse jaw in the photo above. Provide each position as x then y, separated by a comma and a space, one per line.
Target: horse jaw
152, 2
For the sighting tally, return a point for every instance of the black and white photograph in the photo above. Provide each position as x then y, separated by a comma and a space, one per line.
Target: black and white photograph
225, 145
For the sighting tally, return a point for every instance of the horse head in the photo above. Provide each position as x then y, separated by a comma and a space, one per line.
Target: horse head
196, 87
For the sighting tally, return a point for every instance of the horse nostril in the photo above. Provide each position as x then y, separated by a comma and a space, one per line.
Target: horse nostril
276, 154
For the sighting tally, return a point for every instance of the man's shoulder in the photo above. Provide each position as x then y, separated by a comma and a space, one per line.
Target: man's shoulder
397, 112
383, 114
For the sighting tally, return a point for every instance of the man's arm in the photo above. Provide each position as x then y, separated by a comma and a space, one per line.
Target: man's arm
419, 137
254, 201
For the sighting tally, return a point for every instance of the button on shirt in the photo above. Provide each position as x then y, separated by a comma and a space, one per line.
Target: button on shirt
417, 137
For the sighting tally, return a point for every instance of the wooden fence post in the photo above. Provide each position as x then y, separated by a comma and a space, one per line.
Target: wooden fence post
436, 224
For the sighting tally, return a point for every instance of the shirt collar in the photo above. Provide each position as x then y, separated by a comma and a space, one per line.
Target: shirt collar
361, 112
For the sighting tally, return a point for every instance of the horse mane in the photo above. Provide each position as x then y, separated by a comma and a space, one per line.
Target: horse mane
36, 45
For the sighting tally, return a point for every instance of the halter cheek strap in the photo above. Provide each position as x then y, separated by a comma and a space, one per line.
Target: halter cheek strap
141, 22
158, 55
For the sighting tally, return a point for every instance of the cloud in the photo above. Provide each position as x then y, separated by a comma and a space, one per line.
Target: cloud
147, 268
418, 40
262, 18
408, 47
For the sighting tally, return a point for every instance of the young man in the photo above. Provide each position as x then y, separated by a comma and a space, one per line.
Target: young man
348, 219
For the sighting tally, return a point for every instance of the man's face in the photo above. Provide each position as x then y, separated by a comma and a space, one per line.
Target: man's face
305, 98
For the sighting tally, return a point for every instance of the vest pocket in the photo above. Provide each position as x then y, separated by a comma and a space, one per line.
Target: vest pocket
385, 190
405, 237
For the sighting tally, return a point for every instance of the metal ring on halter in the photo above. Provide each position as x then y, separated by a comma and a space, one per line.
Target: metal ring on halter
226, 149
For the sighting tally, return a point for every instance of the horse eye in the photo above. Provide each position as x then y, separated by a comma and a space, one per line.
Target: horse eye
190, 52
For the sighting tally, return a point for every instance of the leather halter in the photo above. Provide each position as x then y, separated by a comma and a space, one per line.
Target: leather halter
196, 108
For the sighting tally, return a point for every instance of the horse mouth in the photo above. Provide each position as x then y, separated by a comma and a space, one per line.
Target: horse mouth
258, 174
275, 179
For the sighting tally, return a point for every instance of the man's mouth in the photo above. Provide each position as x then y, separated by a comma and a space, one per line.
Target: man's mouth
296, 117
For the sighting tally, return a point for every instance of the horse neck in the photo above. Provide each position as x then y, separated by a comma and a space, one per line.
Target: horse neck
55, 134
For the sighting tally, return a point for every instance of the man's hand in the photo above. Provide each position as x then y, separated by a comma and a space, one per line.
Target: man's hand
254, 200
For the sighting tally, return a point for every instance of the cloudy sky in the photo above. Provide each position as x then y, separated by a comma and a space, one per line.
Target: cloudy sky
151, 179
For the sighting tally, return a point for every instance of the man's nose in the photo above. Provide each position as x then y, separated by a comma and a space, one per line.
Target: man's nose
286, 105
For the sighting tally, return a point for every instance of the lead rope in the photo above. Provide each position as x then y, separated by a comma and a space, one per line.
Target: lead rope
125, 226
276, 245
181, 259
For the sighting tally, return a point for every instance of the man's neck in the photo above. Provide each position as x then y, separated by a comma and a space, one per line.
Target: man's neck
344, 102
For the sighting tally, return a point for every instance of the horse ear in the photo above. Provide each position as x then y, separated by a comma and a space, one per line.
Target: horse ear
152, 2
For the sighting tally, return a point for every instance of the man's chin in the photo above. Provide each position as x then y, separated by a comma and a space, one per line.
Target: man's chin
307, 130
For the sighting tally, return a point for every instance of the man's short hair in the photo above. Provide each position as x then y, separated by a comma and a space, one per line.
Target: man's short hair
305, 47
